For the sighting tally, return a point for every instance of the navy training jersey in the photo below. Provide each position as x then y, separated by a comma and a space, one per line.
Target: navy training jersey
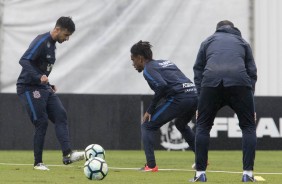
166, 80
37, 60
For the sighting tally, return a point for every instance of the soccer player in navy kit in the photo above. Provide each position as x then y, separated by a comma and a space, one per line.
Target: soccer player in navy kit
225, 73
39, 96
178, 92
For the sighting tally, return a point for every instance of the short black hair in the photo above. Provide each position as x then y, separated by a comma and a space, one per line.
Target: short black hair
142, 48
66, 23
224, 23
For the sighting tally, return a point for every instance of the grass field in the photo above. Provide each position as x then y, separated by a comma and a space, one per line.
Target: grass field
175, 168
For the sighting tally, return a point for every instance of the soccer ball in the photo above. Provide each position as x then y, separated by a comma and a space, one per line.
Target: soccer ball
95, 168
94, 150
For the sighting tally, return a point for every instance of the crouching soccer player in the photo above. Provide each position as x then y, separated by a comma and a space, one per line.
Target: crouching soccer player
168, 83
39, 96
225, 74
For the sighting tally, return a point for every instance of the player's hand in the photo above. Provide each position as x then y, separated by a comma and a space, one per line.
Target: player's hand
146, 117
44, 79
197, 114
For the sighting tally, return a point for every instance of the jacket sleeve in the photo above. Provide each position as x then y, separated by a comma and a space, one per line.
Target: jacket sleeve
199, 67
28, 60
251, 66
157, 84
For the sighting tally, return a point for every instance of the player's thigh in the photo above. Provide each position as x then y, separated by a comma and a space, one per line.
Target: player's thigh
242, 102
187, 112
35, 103
210, 101
55, 109
163, 114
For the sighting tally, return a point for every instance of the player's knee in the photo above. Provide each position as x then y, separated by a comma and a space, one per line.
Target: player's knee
148, 126
61, 115
40, 123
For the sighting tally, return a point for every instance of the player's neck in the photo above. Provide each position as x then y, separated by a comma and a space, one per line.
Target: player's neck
53, 35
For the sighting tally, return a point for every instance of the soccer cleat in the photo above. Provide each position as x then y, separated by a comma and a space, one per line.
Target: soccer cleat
74, 156
41, 166
247, 178
201, 178
148, 169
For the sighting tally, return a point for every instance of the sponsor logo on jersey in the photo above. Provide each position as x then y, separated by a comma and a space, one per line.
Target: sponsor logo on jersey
49, 67
166, 64
187, 85
48, 44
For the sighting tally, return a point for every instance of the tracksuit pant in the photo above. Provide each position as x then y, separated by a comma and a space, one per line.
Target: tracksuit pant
183, 108
241, 100
44, 104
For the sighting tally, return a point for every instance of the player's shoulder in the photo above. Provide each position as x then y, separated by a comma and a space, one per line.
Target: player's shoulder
42, 37
159, 62
40, 40
153, 64
165, 63
209, 39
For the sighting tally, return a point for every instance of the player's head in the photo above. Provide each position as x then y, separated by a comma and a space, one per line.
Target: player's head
224, 23
141, 53
63, 29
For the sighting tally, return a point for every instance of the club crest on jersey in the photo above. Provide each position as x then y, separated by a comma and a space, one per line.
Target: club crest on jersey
36, 94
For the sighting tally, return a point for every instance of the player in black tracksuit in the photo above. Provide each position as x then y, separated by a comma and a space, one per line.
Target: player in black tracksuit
39, 96
168, 83
225, 74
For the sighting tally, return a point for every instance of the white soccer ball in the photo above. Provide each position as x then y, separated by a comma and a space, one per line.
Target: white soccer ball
94, 150
95, 168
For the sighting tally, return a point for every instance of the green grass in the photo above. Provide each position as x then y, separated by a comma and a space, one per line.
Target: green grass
266, 162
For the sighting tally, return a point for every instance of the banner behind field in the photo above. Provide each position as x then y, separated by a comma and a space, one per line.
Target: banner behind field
113, 121
226, 133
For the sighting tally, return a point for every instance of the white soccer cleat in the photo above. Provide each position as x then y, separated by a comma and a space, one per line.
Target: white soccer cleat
77, 156
74, 156
41, 166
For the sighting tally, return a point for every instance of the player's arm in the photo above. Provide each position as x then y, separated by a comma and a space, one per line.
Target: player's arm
157, 84
199, 67
33, 71
28, 60
251, 66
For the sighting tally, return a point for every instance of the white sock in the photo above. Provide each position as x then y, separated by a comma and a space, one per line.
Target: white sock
198, 173
249, 173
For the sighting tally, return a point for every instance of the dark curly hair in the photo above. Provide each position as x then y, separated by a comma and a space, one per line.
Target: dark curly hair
142, 48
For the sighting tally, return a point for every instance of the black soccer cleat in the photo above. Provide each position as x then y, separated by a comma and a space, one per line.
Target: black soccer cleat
67, 160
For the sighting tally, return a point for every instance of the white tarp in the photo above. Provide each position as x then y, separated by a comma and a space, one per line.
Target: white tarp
96, 59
